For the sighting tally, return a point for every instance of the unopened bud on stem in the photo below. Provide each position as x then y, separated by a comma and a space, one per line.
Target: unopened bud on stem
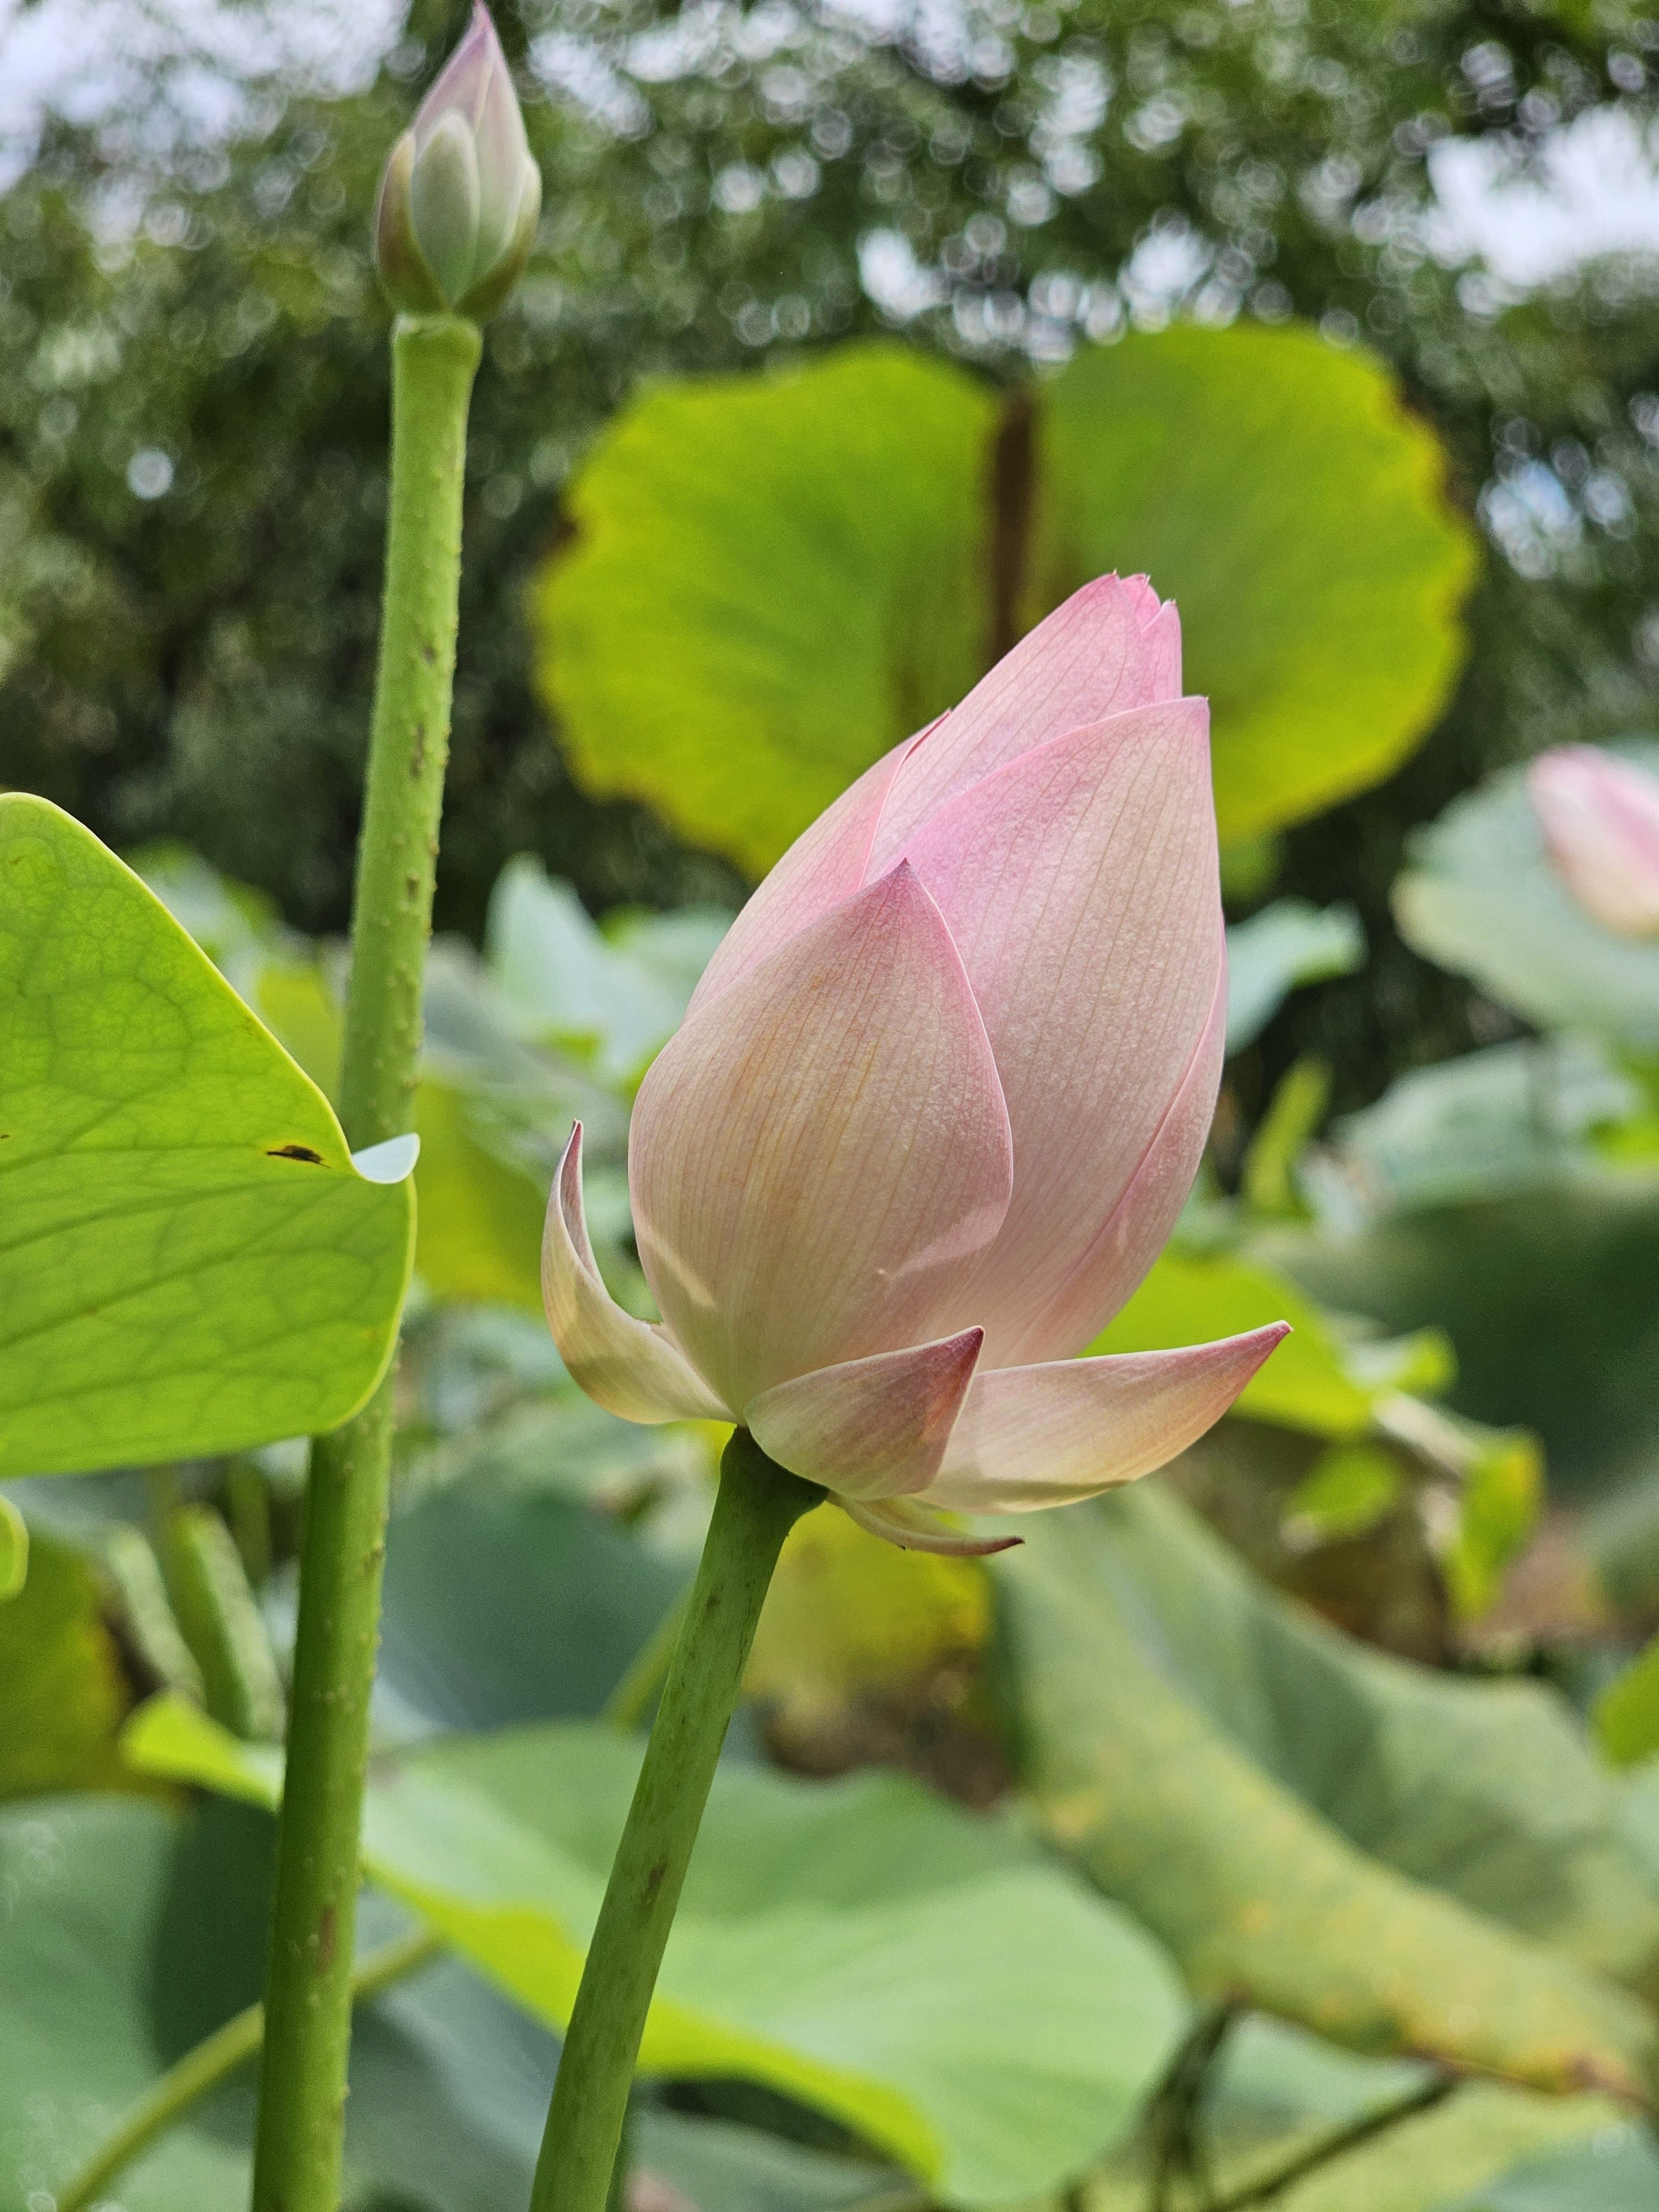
460, 196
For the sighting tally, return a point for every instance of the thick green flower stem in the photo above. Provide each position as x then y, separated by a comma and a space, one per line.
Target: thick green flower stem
757, 1505
308, 1993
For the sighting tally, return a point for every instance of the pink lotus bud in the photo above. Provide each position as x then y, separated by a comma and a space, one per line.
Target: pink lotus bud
936, 1105
460, 196
1600, 816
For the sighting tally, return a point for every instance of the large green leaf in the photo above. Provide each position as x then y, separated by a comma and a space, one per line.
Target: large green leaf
189, 1261
1483, 898
130, 1930
1276, 488
773, 580
1405, 1862
918, 1974
505, 1605
91, 2009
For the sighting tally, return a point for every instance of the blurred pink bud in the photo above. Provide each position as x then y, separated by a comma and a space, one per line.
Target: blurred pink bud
1600, 816
460, 196
936, 1105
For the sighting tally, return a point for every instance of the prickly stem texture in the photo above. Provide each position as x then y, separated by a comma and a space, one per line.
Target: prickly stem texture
757, 1505
308, 1993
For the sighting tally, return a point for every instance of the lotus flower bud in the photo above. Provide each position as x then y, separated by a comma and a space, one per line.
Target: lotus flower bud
460, 195
1600, 816
936, 1104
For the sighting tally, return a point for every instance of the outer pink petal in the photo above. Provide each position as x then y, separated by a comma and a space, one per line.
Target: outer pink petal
1138, 1225
914, 1527
1028, 1436
1080, 884
627, 1365
1112, 646
870, 1428
825, 865
822, 1151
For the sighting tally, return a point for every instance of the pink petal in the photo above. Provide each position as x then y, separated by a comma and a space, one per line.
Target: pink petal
1110, 647
1030, 1437
913, 1528
1138, 1225
1600, 816
1080, 883
822, 1151
626, 1365
825, 865
870, 1428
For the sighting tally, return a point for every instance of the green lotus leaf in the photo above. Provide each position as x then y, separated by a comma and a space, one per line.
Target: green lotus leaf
1408, 1863
923, 1977
772, 579
189, 1260
141, 1928
1275, 488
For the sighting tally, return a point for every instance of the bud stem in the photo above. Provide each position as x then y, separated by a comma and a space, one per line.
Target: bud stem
297, 2152
757, 1505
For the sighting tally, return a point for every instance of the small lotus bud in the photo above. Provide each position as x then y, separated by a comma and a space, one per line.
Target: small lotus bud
1600, 816
461, 194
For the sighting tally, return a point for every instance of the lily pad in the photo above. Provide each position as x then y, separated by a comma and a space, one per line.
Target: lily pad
129, 1930
190, 1262
1406, 1863
923, 1977
772, 579
1275, 487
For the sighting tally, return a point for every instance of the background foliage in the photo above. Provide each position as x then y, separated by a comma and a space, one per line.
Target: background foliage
715, 189
1312, 1787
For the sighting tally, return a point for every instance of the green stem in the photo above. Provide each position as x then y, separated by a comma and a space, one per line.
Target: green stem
757, 1506
1338, 2143
213, 2060
302, 2091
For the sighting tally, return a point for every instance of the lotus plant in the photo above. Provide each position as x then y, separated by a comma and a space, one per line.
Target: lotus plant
456, 220
1599, 817
931, 1115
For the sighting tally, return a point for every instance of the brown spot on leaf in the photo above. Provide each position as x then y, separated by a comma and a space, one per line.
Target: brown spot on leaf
295, 1152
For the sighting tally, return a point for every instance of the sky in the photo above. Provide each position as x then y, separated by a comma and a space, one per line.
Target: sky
1597, 190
